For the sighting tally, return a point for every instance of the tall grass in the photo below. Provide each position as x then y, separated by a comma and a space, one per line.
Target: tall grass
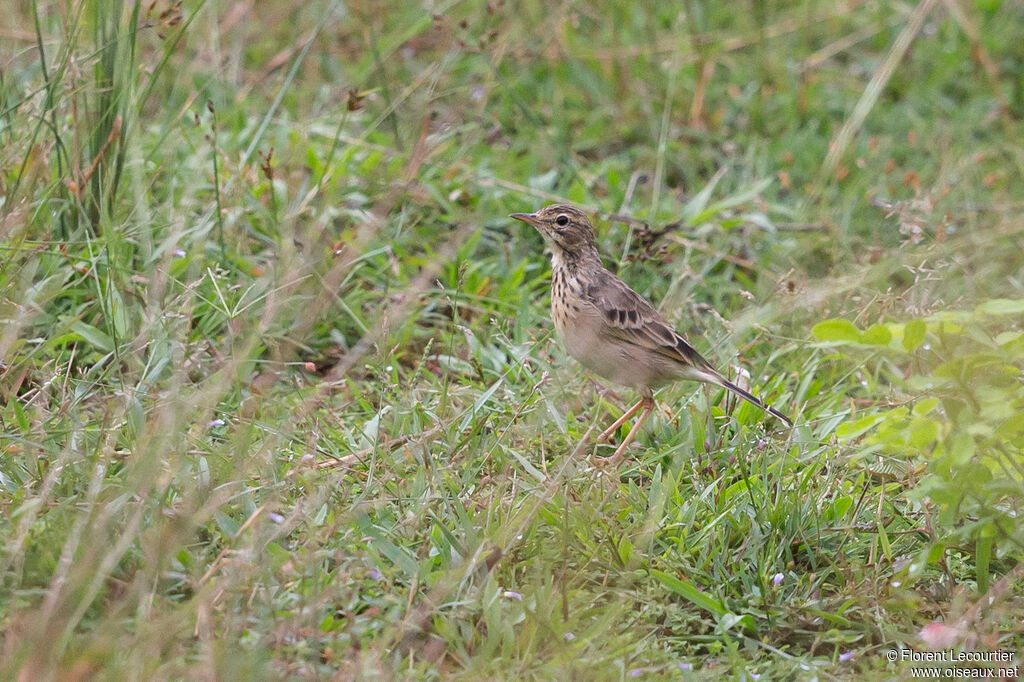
280, 397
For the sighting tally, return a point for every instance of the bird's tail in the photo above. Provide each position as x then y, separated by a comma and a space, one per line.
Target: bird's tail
719, 380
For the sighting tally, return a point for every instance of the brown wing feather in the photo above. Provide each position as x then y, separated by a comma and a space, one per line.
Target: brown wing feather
631, 319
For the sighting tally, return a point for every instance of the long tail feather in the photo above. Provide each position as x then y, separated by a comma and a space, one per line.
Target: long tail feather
719, 380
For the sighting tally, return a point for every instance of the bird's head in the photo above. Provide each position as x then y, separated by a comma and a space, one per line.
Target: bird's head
566, 230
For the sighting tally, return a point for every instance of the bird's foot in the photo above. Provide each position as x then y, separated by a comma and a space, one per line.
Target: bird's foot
607, 433
610, 461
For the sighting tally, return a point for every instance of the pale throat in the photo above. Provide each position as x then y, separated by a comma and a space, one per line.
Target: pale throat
585, 257
565, 272
569, 280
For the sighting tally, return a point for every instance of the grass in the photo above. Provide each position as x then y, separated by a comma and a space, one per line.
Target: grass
280, 393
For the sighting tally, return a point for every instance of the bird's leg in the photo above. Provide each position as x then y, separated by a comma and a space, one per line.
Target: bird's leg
620, 421
648, 405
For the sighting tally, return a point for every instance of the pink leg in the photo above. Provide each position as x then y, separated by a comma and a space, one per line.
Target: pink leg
648, 405
620, 421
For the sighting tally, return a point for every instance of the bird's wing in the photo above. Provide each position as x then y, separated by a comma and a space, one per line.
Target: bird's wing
631, 319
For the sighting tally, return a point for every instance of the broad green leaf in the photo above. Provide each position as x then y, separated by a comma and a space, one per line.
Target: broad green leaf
1003, 306
836, 330
279, 554
93, 336
625, 550
227, 525
839, 508
925, 406
935, 553
1004, 338
876, 335
913, 334
961, 448
923, 431
949, 370
730, 621
850, 430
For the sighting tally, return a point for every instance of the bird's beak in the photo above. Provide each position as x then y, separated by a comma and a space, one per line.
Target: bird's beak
529, 218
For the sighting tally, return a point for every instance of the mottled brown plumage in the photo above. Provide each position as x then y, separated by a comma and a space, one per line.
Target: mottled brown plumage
610, 328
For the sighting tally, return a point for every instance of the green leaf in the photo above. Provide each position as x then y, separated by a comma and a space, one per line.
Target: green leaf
625, 550
832, 617
689, 592
321, 516
93, 336
136, 415
923, 431
279, 554
577, 193
935, 553
694, 209
1004, 338
119, 314
949, 370
370, 162
839, 508
850, 430
883, 541
729, 202
545, 181
612, 178
730, 621
836, 330
961, 448
913, 334
227, 525
923, 407
876, 335
1002, 306
982, 555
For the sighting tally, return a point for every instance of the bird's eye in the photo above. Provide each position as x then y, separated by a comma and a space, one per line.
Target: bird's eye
562, 220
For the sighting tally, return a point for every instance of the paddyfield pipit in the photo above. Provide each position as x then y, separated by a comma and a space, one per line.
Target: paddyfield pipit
611, 329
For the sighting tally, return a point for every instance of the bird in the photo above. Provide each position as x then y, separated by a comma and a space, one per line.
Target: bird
612, 330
